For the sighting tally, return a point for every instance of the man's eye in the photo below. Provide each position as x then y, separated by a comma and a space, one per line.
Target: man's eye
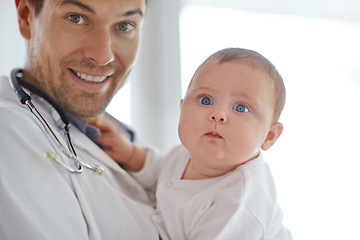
76, 19
205, 101
125, 27
241, 108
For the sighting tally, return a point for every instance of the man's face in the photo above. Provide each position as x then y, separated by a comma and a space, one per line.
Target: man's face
80, 51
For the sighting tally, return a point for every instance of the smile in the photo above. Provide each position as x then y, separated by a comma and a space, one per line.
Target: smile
90, 78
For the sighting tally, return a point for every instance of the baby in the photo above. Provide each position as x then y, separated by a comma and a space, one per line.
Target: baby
216, 185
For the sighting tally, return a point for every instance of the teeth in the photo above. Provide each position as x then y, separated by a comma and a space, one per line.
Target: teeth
90, 78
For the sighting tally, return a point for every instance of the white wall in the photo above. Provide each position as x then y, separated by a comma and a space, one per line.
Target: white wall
340, 9
156, 80
12, 46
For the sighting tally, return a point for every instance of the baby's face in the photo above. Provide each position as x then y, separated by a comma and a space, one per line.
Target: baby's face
226, 114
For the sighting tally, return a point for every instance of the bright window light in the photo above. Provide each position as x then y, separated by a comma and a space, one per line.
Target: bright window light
315, 162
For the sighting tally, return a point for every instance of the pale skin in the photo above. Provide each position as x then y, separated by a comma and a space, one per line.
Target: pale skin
80, 52
226, 119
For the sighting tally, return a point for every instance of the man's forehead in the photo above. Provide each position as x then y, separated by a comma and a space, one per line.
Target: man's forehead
133, 6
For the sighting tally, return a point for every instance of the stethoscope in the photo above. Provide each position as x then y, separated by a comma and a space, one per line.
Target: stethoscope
58, 150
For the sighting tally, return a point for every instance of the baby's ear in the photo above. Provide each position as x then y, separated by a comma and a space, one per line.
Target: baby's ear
274, 133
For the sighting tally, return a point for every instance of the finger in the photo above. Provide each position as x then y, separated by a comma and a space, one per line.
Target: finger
105, 128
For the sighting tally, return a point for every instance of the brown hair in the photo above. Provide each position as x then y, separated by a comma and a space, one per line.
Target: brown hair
37, 5
258, 61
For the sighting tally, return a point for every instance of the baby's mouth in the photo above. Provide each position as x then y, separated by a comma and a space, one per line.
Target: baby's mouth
213, 135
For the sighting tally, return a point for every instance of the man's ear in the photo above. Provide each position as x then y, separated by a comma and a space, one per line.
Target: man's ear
181, 103
274, 133
23, 10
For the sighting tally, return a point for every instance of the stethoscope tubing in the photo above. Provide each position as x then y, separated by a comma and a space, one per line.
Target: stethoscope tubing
58, 147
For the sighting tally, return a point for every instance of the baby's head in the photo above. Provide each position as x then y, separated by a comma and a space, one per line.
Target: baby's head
258, 62
231, 108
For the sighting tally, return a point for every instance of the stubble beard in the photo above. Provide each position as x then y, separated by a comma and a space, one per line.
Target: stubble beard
81, 103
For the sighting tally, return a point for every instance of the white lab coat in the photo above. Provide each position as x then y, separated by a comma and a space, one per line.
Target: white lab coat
39, 199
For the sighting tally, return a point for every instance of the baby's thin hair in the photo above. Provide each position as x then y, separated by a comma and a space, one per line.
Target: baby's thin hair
258, 61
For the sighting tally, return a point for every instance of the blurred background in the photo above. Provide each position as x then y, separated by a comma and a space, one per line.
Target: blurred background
315, 46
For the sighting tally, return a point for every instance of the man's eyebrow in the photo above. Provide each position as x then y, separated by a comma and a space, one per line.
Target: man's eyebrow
89, 9
77, 3
134, 12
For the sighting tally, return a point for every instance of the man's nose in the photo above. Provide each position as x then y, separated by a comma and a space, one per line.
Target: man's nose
99, 49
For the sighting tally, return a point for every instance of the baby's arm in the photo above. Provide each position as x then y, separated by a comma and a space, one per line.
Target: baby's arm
116, 143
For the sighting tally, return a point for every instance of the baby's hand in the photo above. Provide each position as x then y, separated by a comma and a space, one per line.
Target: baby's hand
116, 143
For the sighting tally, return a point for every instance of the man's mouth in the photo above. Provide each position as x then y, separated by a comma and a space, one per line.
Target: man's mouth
90, 78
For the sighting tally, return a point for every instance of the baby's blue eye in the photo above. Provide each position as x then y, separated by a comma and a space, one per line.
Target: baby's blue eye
205, 101
241, 108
